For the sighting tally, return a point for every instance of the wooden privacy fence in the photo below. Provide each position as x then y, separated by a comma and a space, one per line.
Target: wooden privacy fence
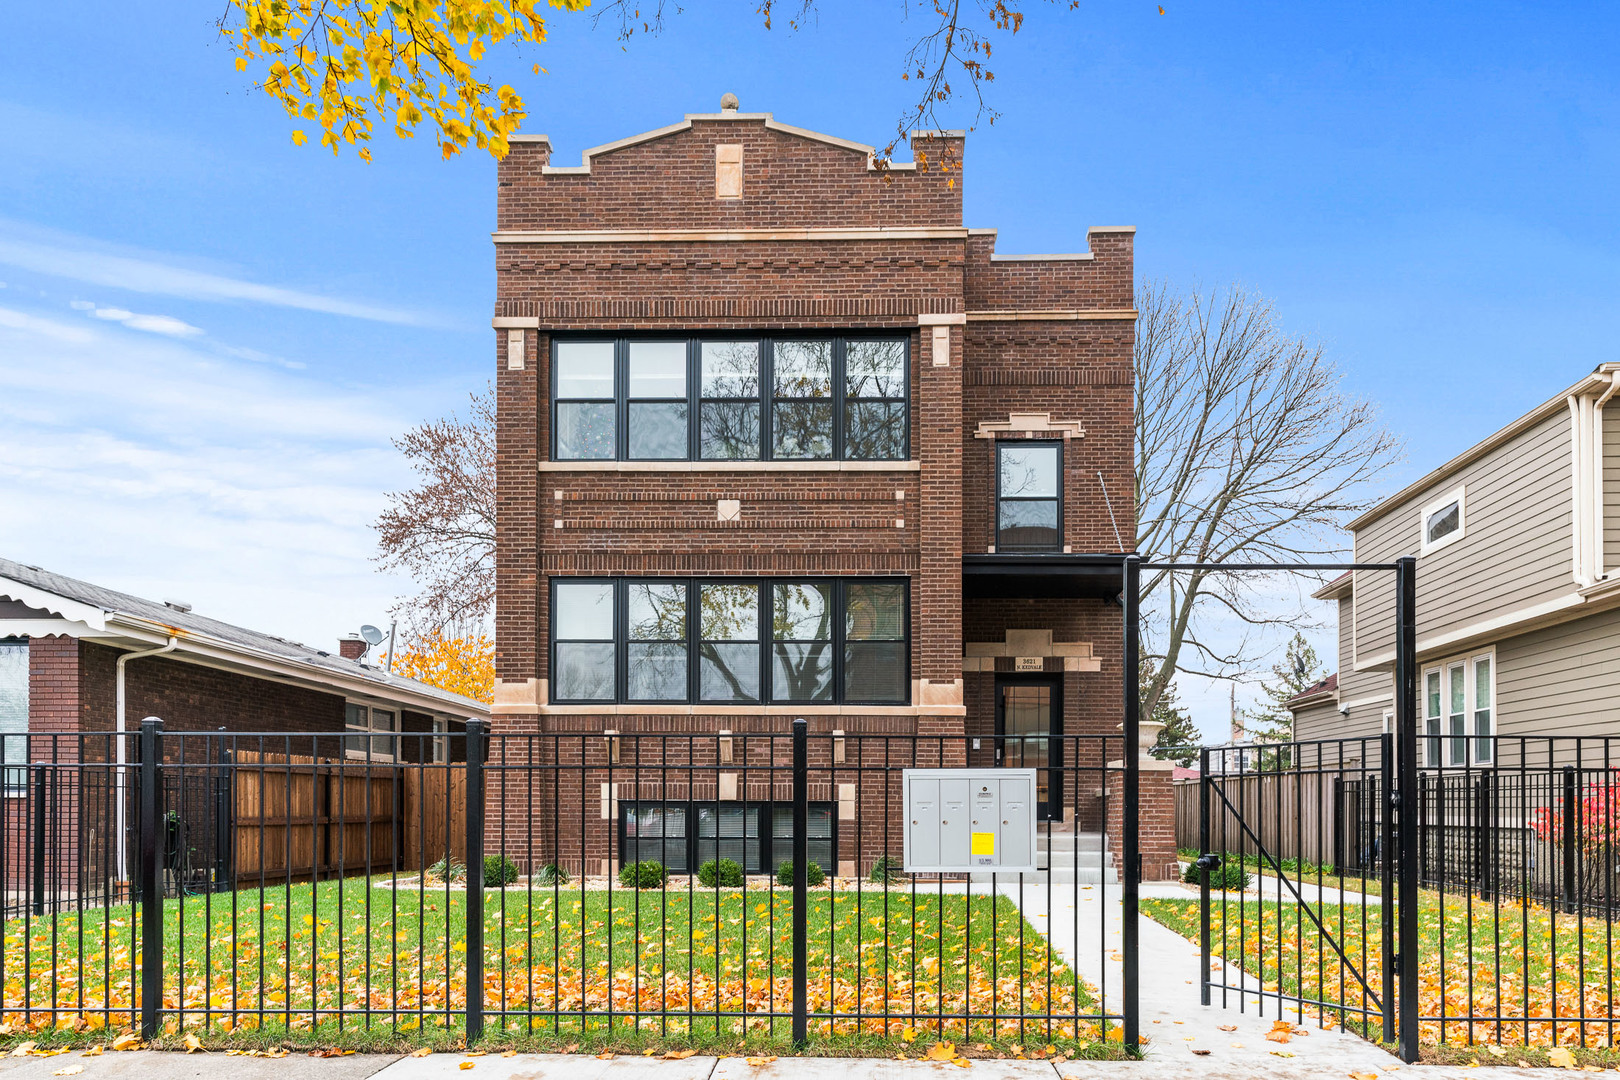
1321, 817
296, 818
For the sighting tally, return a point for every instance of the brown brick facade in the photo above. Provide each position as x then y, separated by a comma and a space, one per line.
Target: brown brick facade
637, 241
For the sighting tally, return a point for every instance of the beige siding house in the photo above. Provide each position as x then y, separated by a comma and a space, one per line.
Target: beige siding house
1518, 589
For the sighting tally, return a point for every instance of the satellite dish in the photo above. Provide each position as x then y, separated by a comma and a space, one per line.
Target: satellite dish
372, 635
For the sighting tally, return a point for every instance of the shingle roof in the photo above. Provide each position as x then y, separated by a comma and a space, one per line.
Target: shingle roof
111, 601
1326, 686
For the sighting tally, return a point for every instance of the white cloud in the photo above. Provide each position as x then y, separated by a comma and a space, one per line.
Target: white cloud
80, 260
142, 463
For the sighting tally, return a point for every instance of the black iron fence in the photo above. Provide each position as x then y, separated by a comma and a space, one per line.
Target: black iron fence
1514, 855
689, 886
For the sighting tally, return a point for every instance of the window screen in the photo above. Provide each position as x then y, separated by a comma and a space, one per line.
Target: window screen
874, 642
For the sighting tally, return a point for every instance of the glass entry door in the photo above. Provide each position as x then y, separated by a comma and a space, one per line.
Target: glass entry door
1029, 712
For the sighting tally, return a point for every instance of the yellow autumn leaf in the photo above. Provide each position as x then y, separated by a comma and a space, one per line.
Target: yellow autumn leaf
298, 138
422, 1051
678, 1055
70, 1070
1561, 1057
962, 1063
466, 1065
127, 1040
193, 1044
942, 1051
756, 1061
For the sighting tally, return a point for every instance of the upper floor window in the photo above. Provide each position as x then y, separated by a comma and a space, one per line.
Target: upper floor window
1029, 496
1443, 522
745, 399
819, 640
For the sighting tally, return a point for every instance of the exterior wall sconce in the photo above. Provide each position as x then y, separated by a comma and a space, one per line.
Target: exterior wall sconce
612, 737
839, 751
726, 751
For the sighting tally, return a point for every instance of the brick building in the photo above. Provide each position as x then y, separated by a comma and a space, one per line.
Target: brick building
779, 437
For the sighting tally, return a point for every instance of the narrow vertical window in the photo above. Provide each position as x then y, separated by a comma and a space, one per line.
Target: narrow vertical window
1457, 714
656, 833
1483, 748
728, 631
801, 624
802, 408
874, 400
656, 421
587, 426
819, 835
14, 711
655, 663
583, 666
1029, 486
874, 642
728, 427
1431, 718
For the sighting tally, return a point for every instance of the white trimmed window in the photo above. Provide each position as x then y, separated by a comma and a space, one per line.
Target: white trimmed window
1459, 719
1443, 521
14, 711
370, 732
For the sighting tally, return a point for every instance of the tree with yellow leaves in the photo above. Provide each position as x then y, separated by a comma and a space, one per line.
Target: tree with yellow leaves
349, 65
462, 662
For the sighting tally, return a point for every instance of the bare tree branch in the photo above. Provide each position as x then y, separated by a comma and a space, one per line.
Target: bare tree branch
1246, 451
441, 533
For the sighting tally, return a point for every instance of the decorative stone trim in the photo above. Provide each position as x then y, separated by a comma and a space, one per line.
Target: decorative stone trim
1030, 425
1074, 655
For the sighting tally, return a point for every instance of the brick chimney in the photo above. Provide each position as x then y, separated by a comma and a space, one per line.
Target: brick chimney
352, 647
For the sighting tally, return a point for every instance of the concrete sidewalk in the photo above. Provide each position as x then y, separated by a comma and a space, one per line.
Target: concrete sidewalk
154, 1065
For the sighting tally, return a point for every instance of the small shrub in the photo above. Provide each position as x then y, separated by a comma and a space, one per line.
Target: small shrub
643, 875
551, 874
813, 874
721, 873
1231, 877
887, 870
447, 869
499, 871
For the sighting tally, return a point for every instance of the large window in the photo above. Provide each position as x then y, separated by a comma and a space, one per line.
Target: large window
789, 399
1029, 496
1458, 698
14, 709
756, 836
644, 640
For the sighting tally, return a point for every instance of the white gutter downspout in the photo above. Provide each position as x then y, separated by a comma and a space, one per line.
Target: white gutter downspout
1598, 522
122, 751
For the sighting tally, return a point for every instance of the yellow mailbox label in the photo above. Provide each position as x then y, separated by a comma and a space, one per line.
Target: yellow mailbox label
984, 843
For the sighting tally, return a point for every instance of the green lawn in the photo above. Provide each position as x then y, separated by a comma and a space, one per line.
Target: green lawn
565, 964
1526, 962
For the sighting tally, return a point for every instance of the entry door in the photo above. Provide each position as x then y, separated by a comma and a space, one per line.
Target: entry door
1029, 711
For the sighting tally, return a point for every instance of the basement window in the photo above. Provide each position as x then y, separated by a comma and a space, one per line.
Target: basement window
1443, 521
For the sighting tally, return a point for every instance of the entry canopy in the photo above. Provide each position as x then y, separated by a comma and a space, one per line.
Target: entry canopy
1042, 575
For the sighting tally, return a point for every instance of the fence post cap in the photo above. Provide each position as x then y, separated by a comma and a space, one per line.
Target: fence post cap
152, 721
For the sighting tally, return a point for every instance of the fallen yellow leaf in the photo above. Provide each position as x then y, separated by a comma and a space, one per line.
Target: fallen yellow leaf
23, 1049
606, 1055
1363, 1076
760, 1060
466, 1065
962, 1063
193, 1044
1561, 1057
1496, 1051
678, 1055
422, 1051
127, 1040
941, 1051
71, 1070
94, 1051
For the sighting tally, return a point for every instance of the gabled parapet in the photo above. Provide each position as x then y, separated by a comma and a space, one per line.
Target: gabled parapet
731, 170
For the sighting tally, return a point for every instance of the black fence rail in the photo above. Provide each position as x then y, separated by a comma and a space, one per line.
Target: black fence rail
689, 887
1515, 853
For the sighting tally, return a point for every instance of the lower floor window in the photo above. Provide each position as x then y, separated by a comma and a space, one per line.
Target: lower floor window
14, 710
371, 732
684, 836
1458, 717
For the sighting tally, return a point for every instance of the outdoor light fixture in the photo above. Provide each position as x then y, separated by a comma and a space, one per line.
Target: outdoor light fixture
612, 736
725, 746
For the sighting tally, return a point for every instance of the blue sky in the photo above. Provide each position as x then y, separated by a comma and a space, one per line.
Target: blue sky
208, 335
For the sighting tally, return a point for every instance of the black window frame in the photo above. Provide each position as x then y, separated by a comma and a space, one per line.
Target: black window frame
1008, 444
770, 859
767, 391
765, 637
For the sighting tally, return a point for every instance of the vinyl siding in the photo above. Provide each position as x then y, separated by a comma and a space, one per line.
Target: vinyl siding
1562, 680
1317, 722
1516, 551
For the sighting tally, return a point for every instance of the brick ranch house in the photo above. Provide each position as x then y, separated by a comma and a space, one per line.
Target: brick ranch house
79, 662
778, 437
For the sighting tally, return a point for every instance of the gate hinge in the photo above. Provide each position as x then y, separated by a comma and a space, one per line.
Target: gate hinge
1397, 961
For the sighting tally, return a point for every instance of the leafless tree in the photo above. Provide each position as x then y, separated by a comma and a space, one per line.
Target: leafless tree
441, 533
1246, 451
